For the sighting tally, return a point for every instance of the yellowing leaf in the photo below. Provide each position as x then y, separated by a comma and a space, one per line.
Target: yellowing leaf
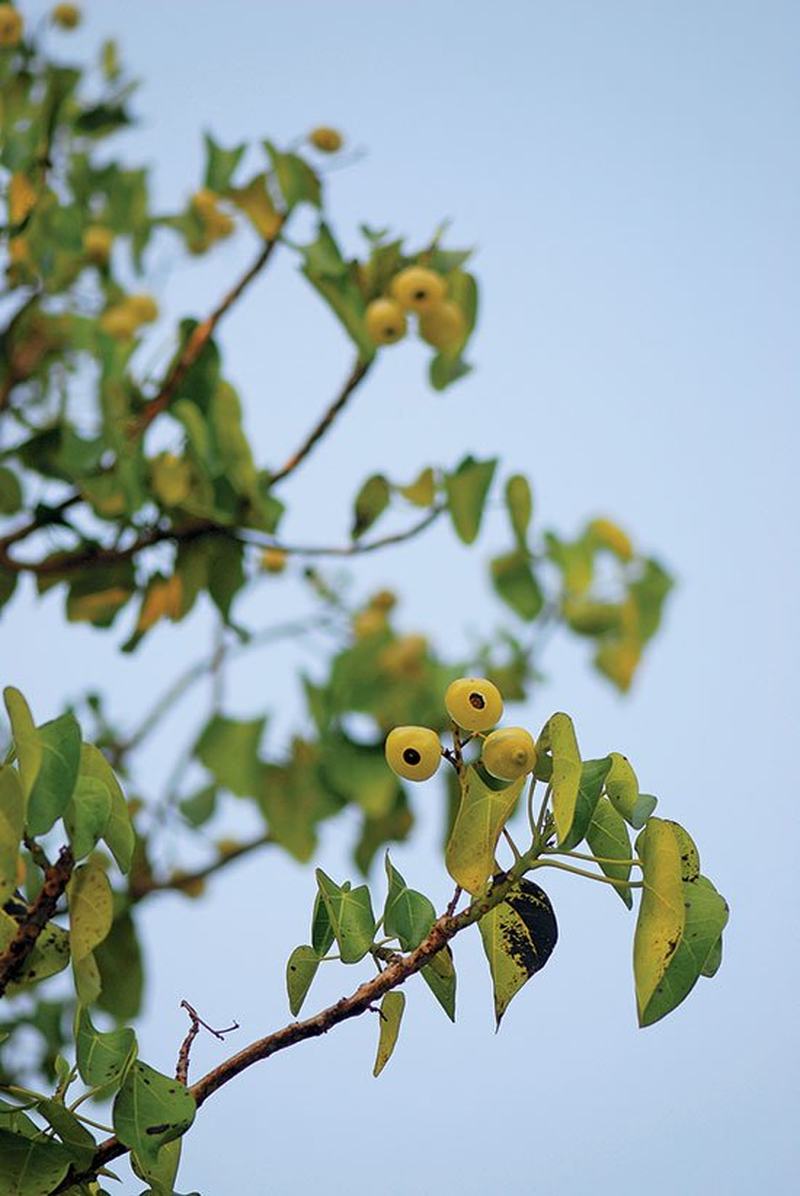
254, 200
558, 737
21, 197
12, 824
481, 816
91, 909
622, 787
662, 914
518, 937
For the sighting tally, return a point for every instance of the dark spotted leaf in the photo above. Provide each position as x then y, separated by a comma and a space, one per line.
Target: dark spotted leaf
301, 969
151, 1109
518, 937
662, 913
622, 787
102, 1057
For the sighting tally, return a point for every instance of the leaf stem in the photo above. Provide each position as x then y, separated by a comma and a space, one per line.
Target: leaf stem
604, 880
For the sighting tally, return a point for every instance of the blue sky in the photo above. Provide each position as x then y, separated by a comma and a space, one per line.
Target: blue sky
628, 173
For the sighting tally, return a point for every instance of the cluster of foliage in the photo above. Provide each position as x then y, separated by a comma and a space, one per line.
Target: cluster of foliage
134, 488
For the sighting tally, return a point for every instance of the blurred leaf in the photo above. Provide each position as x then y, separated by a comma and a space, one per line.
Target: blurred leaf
255, 201
12, 825
220, 164
371, 501
200, 807
467, 489
446, 369
519, 504
27, 744
296, 179
10, 492
392, 827
649, 593
119, 961
391, 1014
515, 582
518, 937
229, 749
422, 491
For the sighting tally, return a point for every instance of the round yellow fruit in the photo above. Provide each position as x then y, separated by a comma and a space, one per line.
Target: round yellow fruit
384, 600
273, 560
368, 622
326, 139
474, 703
443, 326
68, 16
10, 25
509, 753
386, 321
97, 242
143, 308
418, 288
413, 752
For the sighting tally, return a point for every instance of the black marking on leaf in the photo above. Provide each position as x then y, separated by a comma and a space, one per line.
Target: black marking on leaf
159, 1129
533, 907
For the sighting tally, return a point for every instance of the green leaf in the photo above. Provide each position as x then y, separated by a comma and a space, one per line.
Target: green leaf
255, 201
49, 956
440, 977
75, 1137
622, 787
12, 825
519, 504
96, 596
300, 971
662, 913
690, 857
119, 833
10, 492
407, 914
467, 489
87, 815
30, 1167
607, 836
321, 929
225, 573
518, 937
220, 164
346, 301
351, 917
86, 976
296, 179
391, 1014
649, 593
371, 501
422, 491
706, 918
593, 775
119, 961
91, 909
229, 749
150, 1110
200, 807
357, 773
102, 1058
61, 752
515, 582
558, 737
26, 739
446, 369
481, 816
714, 960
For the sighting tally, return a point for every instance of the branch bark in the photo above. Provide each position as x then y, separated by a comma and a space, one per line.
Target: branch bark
445, 928
56, 879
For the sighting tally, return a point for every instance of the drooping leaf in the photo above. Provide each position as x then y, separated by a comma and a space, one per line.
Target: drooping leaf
119, 961
74, 1136
102, 1057
301, 969
649, 593
515, 582
86, 976
690, 856
91, 909
255, 201
119, 833
662, 913
150, 1110
482, 814
162, 1174
467, 489
518, 937
87, 815
407, 914
370, 503
30, 1167
12, 824
706, 917
391, 1014
593, 775
351, 917
558, 738
608, 838
440, 977
519, 504
60, 742
446, 368
622, 787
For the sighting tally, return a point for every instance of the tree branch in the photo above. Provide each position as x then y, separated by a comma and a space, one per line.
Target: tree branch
56, 878
363, 999
197, 342
356, 375
180, 882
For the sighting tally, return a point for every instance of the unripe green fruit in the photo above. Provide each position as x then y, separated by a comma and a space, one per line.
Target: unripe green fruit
474, 703
509, 753
413, 752
418, 288
443, 326
386, 321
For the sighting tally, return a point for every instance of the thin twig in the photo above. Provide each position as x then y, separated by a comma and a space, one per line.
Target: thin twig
182, 1068
180, 882
56, 878
356, 375
197, 342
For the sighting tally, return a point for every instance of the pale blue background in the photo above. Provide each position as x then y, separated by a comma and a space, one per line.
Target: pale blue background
629, 172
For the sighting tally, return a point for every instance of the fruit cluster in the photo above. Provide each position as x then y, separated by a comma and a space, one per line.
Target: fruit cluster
475, 705
421, 292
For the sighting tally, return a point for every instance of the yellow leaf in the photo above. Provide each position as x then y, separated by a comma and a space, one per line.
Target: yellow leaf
254, 200
21, 197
